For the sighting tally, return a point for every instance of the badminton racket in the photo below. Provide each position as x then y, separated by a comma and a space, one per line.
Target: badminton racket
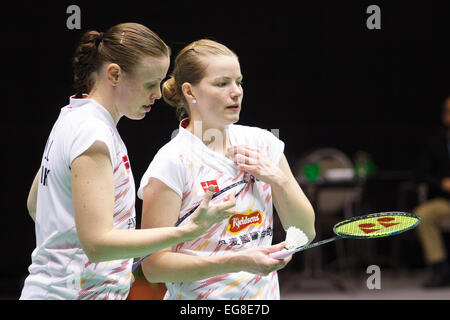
375, 225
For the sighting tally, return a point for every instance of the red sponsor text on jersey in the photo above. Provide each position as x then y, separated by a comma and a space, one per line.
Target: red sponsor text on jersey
240, 221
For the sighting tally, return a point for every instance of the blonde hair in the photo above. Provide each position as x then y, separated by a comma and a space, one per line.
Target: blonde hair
190, 67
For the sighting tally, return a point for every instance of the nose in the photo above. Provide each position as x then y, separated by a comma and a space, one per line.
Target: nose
236, 92
155, 95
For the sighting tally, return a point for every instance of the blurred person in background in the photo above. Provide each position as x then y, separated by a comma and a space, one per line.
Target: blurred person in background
434, 171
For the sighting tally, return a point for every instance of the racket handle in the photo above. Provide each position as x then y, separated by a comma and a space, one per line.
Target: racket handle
137, 263
282, 254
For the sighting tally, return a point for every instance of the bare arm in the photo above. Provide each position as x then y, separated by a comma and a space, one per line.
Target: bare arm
32, 196
93, 202
161, 208
293, 208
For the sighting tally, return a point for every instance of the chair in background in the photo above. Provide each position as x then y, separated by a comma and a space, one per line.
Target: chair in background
330, 201
334, 196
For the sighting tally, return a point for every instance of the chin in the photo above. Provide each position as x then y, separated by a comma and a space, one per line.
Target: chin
142, 116
233, 119
136, 116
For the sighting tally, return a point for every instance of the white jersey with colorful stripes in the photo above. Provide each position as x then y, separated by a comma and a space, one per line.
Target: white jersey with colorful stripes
59, 267
187, 166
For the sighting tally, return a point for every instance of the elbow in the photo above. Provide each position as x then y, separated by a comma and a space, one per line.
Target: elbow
31, 209
100, 246
93, 254
149, 275
311, 235
151, 270
32, 214
94, 251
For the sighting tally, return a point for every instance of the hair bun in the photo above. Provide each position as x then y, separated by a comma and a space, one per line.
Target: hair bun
170, 92
84, 62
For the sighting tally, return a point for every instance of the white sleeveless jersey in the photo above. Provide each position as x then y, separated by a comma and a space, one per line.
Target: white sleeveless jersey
187, 166
59, 267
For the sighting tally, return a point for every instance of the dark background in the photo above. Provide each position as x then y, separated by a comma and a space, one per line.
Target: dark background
312, 69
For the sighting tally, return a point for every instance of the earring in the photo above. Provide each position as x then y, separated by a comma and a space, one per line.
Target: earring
194, 101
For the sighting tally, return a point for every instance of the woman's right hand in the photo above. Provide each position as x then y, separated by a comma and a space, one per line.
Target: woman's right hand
207, 215
258, 261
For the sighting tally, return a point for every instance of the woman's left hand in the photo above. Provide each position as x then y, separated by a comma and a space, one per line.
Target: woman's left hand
255, 162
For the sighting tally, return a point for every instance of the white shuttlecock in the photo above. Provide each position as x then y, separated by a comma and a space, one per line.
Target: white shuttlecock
295, 238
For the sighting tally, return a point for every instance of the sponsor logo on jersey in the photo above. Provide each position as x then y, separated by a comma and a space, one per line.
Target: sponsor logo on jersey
240, 221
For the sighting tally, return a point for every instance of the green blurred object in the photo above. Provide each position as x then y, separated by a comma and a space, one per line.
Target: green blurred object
364, 165
311, 172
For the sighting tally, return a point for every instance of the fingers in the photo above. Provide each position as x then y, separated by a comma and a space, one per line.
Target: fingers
273, 265
244, 159
228, 202
280, 263
226, 208
231, 195
277, 247
243, 154
244, 149
208, 196
287, 260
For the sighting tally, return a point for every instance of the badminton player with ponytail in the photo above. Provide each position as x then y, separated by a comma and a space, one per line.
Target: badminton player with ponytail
83, 197
232, 259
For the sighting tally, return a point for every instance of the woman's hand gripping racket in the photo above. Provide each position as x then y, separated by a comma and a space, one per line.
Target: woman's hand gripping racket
376, 225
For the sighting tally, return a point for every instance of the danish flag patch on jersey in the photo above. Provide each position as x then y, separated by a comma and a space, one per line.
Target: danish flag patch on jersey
126, 162
206, 184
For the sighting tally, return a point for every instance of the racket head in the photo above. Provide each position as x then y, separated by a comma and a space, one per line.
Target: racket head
376, 225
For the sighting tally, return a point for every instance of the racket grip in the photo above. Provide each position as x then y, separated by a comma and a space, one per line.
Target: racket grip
282, 254
137, 263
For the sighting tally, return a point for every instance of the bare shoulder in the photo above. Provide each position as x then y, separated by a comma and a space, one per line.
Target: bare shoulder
161, 205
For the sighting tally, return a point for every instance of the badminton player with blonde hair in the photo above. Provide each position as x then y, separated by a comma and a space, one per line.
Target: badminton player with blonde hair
232, 259
83, 197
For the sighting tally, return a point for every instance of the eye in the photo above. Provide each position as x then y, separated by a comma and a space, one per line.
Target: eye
151, 86
240, 83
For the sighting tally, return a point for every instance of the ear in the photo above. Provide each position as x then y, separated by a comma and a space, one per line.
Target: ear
187, 90
113, 73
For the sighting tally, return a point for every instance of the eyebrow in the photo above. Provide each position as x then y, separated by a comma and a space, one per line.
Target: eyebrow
227, 78
154, 81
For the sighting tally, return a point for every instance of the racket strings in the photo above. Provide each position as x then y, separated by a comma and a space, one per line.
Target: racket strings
376, 225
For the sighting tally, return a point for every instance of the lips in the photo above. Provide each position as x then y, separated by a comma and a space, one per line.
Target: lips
147, 108
233, 107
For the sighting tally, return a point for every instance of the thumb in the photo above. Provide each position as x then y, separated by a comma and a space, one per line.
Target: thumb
277, 247
208, 195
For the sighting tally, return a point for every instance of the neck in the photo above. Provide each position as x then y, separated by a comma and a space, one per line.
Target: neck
216, 139
106, 100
